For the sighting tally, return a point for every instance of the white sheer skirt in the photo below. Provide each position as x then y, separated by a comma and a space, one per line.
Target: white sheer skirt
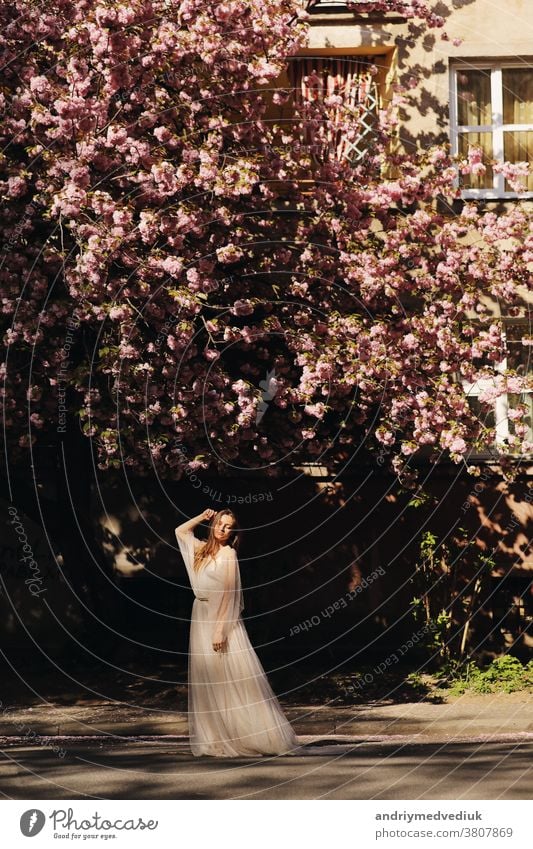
232, 708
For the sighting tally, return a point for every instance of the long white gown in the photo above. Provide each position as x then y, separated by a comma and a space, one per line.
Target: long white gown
232, 709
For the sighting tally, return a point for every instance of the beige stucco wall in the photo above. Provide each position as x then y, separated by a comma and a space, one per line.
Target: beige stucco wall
488, 29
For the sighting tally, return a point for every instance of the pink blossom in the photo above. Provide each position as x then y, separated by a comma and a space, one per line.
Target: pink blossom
242, 307
173, 266
229, 253
16, 186
128, 142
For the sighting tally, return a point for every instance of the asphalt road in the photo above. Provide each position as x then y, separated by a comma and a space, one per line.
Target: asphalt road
148, 770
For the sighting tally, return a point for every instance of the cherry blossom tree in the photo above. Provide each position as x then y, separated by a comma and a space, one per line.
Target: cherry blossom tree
170, 281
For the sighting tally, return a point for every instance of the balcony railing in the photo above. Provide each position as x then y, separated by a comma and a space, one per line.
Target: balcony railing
350, 78
326, 6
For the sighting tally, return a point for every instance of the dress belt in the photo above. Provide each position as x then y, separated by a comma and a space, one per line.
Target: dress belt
201, 599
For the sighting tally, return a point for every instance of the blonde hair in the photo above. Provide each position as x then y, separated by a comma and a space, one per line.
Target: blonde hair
212, 545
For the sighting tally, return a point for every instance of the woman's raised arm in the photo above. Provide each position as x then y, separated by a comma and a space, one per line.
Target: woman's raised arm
188, 526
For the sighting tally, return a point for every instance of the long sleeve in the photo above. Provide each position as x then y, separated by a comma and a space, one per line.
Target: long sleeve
227, 602
186, 540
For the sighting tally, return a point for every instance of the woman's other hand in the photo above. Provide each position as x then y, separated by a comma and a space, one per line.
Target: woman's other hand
208, 514
219, 645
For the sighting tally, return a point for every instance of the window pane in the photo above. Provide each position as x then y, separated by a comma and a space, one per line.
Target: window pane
520, 356
487, 435
517, 96
526, 399
483, 140
518, 147
486, 417
474, 106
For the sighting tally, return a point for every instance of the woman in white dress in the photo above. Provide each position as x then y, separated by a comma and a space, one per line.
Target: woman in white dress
232, 708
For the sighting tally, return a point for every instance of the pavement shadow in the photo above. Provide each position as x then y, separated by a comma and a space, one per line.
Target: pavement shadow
432, 771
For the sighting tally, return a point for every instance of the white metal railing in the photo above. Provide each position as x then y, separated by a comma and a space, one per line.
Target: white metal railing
319, 5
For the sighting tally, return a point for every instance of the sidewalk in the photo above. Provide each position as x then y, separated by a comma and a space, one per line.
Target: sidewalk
497, 718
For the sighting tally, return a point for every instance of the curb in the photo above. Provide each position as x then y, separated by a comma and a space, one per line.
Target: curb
307, 740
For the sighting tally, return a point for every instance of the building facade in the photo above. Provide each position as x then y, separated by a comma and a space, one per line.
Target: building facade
472, 86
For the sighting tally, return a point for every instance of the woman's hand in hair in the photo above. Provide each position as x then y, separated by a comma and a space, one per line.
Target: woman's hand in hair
208, 514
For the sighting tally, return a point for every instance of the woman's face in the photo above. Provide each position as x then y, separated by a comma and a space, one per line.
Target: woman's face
223, 528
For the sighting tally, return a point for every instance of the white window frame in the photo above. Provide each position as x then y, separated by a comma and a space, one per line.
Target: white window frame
497, 128
501, 404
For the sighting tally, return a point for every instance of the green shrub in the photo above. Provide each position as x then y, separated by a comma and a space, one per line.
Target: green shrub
504, 675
